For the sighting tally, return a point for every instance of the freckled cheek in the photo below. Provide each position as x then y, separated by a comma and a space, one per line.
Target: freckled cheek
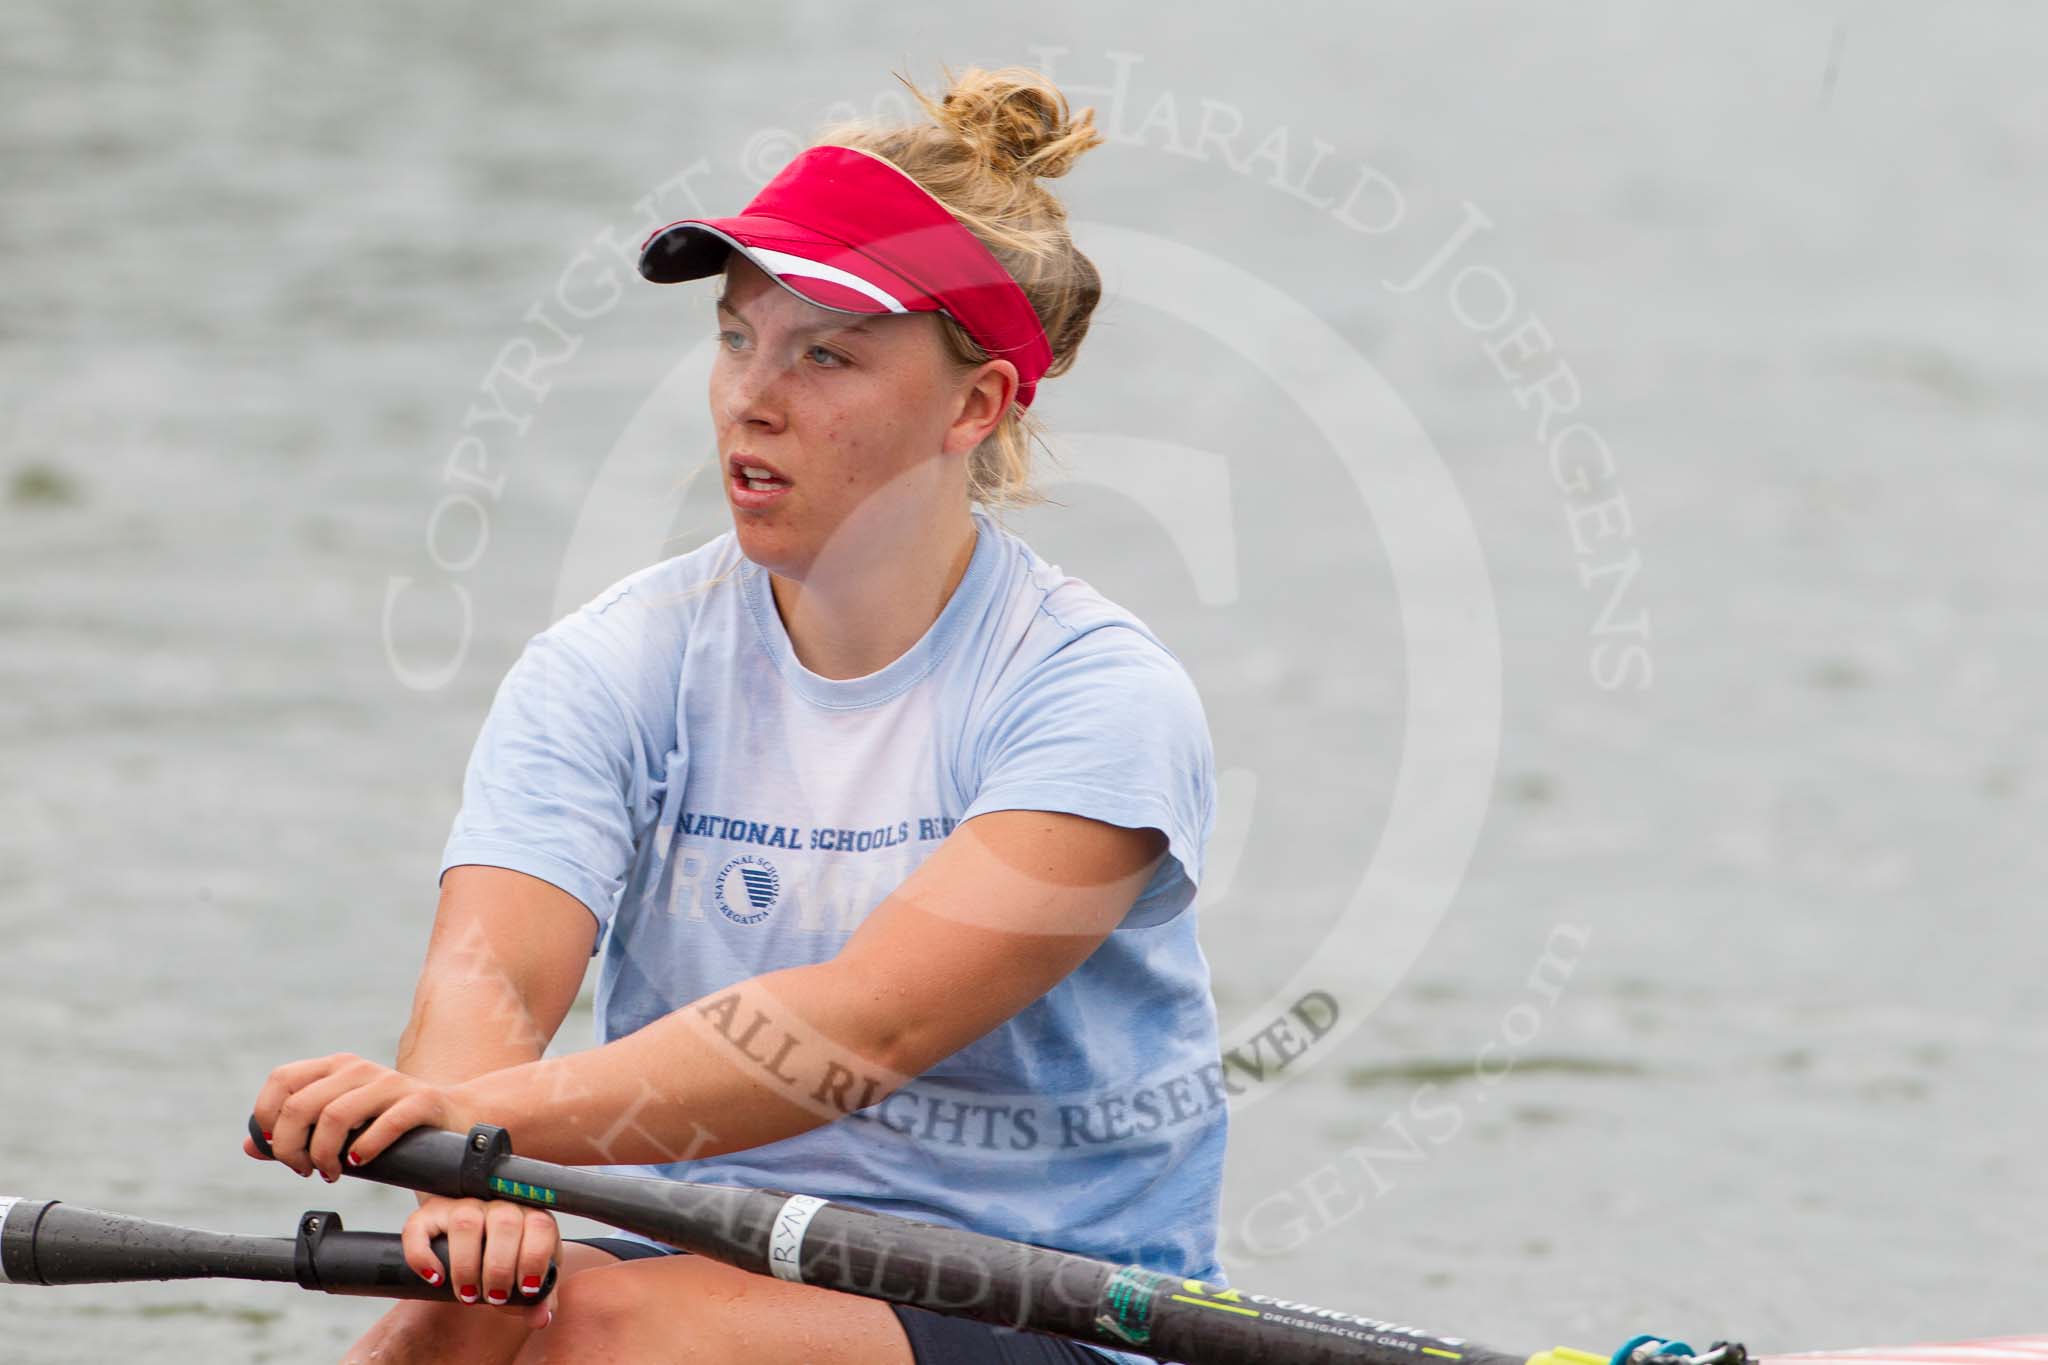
852, 457
861, 442
853, 443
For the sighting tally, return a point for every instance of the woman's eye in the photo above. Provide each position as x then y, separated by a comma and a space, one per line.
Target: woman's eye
731, 340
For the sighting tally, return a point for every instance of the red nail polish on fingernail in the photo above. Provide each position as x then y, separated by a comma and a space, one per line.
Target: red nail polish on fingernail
432, 1277
498, 1298
266, 1137
530, 1285
467, 1293
354, 1160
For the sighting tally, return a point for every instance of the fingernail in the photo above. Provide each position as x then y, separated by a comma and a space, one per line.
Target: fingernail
548, 1319
530, 1285
467, 1293
330, 1179
354, 1160
266, 1137
430, 1276
498, 1297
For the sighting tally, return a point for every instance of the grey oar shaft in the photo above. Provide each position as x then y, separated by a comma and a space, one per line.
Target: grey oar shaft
967, 1274
945, 1269
834, 1246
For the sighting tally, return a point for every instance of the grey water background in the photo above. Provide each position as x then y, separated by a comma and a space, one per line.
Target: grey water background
1781, 1077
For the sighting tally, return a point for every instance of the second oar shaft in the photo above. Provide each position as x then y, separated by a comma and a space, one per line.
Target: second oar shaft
945, 1269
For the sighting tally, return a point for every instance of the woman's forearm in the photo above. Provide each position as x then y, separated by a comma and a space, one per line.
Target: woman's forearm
449, 1041
763, 1060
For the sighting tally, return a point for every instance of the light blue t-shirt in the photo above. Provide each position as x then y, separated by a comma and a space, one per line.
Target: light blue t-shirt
663, 756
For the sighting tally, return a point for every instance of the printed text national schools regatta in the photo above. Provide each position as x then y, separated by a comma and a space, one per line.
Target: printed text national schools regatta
738, 830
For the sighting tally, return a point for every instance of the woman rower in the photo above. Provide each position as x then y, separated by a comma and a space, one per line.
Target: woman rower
887, 831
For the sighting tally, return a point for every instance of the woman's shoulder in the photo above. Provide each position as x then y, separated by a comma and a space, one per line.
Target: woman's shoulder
634, 632
1058, 623
1088, 711
673, 587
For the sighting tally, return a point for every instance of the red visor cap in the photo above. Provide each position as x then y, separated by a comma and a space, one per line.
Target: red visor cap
848, 231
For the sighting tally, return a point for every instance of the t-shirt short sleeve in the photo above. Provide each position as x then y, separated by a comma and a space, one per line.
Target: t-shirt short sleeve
1109, 727
564, 775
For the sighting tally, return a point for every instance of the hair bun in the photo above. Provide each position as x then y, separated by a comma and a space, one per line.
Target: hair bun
1016, 119
980, 151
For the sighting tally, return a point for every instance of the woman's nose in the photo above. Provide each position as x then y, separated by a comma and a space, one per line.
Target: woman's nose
754, 392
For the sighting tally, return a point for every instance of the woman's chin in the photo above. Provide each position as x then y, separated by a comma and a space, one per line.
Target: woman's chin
772, 547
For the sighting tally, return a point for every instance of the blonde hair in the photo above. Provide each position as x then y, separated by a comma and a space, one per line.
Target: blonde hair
994, 135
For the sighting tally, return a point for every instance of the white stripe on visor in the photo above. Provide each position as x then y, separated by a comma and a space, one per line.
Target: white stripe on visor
782, 263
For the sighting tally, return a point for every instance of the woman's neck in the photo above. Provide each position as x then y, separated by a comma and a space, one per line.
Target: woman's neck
852, 622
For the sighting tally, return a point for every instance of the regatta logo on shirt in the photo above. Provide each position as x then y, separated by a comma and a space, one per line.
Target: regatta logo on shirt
747, 888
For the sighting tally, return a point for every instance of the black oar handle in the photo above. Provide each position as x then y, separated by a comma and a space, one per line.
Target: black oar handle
427, 1160
373, 1263
431, 1161
47, 1242
262, 1139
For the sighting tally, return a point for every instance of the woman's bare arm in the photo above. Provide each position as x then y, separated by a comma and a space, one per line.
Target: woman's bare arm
506, 958
1008, 905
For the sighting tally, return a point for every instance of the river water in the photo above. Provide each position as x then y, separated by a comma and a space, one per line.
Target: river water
1591, 462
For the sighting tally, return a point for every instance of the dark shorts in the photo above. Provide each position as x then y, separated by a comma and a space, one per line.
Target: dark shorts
934, 1338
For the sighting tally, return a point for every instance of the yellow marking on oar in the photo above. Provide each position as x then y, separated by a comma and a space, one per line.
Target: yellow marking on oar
533, 1194
1219, 1307
1566, 1355
1447, 1355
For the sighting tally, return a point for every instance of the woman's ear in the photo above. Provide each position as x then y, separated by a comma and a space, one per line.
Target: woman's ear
986, 397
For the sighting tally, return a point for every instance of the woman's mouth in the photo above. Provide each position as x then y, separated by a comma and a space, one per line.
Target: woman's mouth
754, 485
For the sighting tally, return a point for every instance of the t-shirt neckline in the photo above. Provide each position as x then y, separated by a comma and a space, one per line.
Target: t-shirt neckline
900, 673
